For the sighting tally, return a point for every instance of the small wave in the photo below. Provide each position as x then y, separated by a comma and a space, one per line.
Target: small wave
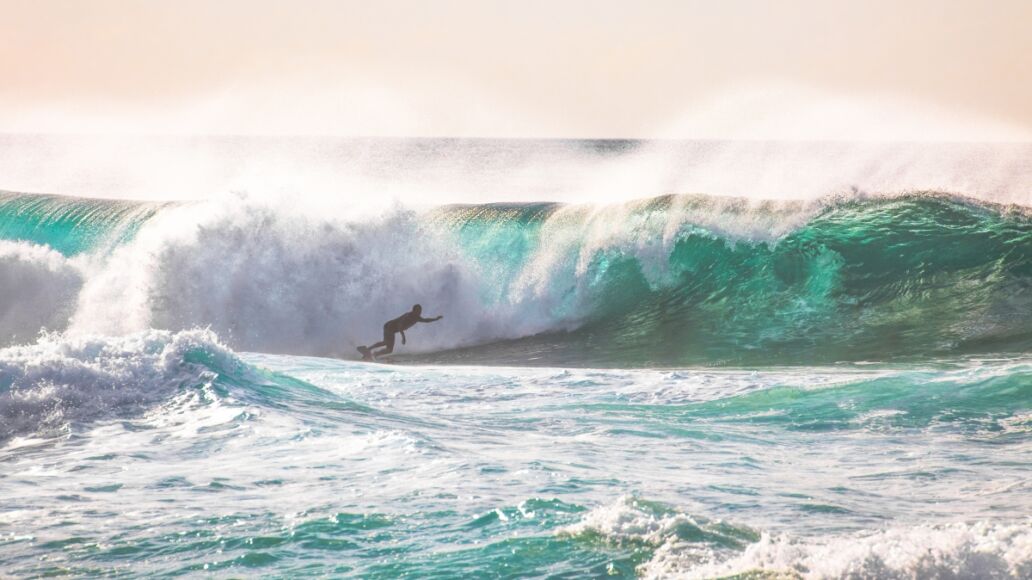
687, 546
634, 522
978, 400
979, 550
49, 387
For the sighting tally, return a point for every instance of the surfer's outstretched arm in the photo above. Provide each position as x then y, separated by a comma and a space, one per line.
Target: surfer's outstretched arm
434, 319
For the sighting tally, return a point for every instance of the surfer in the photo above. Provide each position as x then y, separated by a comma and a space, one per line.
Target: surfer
399, 324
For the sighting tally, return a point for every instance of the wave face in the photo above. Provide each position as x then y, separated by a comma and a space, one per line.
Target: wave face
688, 280
665, 281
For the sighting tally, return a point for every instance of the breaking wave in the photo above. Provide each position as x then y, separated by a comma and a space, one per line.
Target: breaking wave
668, 281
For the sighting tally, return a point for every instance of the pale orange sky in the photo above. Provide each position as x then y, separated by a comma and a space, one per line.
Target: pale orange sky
600, 68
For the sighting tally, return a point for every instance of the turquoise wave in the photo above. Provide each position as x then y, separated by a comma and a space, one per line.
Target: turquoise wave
881, 279
71, 225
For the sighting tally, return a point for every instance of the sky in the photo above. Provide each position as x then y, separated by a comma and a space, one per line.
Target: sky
946, 69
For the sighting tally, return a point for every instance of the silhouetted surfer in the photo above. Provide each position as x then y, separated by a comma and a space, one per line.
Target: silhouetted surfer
399, 324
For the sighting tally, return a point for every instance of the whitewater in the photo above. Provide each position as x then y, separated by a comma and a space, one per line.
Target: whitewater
690, 385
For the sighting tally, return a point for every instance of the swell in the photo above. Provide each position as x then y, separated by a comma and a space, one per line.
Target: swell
978, 399
667, 281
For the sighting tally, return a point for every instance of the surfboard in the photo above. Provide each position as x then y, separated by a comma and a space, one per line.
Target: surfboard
367, 356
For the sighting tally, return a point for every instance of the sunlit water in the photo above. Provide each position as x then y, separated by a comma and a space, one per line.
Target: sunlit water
827, 377
333, 467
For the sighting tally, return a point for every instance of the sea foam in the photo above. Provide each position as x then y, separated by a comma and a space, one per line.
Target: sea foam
39, 287
687, 546
60, 381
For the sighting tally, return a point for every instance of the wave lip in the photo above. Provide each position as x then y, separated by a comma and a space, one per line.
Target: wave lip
49, 387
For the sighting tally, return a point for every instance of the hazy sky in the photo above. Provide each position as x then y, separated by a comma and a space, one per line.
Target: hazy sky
599, 68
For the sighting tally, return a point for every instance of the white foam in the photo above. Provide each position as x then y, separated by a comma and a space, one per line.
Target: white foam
958, 550
61, 380
269, 277
39, 288
631, 520
979, 550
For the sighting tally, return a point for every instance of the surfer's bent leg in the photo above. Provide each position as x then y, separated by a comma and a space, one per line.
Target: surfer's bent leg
387, 342
388, 336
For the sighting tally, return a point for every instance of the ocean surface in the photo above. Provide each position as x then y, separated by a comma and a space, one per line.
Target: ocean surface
685, 385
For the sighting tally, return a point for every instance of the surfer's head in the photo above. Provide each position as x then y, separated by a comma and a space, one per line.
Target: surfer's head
417, 309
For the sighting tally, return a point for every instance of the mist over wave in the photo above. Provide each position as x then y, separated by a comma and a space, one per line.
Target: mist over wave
424, 172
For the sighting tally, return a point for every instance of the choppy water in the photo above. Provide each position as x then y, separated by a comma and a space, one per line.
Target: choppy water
205, 461
678, 386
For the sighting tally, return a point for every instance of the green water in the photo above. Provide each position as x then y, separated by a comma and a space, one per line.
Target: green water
904, 278
71, 225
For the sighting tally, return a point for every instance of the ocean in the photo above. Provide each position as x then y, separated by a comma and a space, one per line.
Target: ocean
662, 382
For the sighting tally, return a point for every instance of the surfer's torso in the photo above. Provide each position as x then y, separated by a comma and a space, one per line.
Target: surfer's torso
403, 322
